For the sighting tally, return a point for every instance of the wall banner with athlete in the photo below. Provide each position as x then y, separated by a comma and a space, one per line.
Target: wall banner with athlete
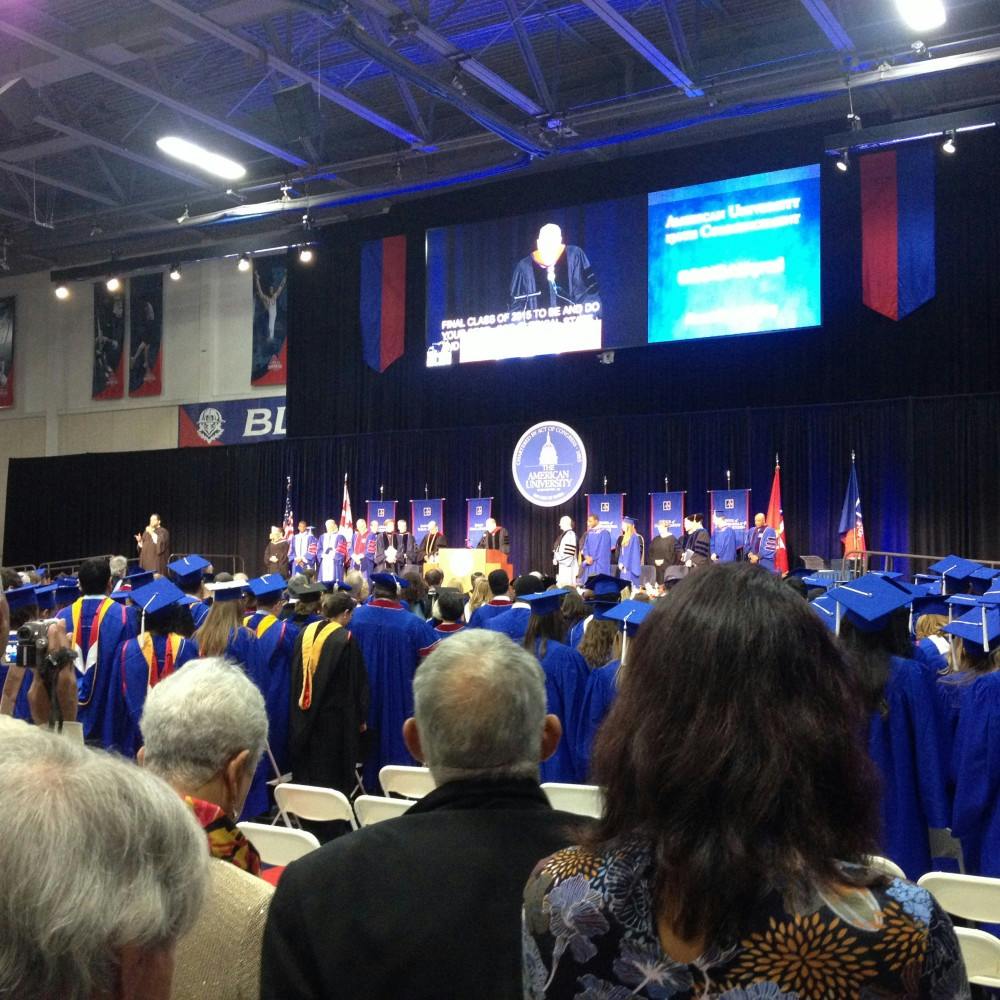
269, 365
6, 352
145, 309
109, 343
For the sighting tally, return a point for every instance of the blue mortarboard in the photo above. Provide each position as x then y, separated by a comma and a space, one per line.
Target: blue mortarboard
42, 571
990, 597
21, 597
930, 604
629, 520
605, 587
65, 590
868, 601
121, 595
546, 602
266, 585
955, 569
982, 579
887, 574
960, 603
826, 608
390, 581
337, 585
826, 579
189, 569
979, 628
928, 578
231, 590
139, 578
45, 598
156, 596
629, 615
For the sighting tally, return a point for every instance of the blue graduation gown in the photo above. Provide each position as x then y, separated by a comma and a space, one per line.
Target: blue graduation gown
906, 746
766, 549
130, 696
976, 812
566, 674
21, 708
723, 544
596, 546
486, 612
599, 695
630, 560
392, 641
513, 623
276, 642
576, 631
96, 686
199, 609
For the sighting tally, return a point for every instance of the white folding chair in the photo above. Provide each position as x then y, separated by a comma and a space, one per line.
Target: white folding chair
971, 897
375, 808
584, 800
410, 782
278, 845
885, 866
314, 803
981, 954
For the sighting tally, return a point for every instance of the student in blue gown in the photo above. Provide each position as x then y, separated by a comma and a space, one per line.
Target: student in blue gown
904, 736
392, 641
566, 675
156, 652
22, 604
189, 574
630, 553
514, 621
595, 552
603, 591
447, 613
499, 602
723, 545
97, 626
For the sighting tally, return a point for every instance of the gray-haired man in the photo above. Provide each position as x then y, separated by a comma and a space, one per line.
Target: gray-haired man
428, 904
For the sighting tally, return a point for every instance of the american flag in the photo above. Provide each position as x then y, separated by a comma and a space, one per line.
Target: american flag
288, 523
346, 517
852, 527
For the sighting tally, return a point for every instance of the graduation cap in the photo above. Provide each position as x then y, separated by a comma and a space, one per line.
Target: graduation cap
887, 574
826, 607
390, 581
629, 520
190, 569
629, 615
338, 585
954, 569
868, 602
979, 629
825, 579
930, 604
606, 589
45, 598
231, 590
21, 597
982, 579
268, 585
155, 598
65, 590
547, 602
138, 579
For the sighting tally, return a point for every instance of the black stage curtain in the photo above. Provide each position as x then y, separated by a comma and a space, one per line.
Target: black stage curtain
926, 469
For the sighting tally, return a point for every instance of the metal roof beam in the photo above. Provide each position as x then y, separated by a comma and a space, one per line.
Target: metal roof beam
93, 66
678, 35
830, 25
55, 182
529, 57
638, 41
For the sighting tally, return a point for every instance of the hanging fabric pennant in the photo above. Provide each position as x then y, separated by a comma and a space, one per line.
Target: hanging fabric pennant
6, 352
383, 301
269, 364
145, 366
897, 229
109, 343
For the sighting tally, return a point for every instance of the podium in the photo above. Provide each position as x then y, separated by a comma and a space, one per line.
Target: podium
462, 563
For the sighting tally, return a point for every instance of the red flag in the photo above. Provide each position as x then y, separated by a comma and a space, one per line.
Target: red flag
776, 520
346, 517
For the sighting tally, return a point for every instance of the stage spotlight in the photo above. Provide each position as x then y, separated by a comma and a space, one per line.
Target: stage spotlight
843, 163
175, 272
243, 264
62, 292
948, 146
922, 15
305, 255
113, 284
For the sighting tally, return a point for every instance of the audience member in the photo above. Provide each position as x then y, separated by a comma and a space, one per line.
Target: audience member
499, 601
358, 584
428, 904
740, 807
447, 612
103, 870
513, 620
480, 595
600, 644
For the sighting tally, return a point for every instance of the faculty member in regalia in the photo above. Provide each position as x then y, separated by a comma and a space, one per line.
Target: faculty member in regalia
553, 275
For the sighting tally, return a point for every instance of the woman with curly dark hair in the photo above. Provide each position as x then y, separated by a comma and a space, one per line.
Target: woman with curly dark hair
740, 811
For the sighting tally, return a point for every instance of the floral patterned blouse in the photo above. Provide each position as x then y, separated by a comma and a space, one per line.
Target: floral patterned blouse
590, 934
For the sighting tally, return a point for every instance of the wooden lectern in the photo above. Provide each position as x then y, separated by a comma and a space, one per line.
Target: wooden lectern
462, 563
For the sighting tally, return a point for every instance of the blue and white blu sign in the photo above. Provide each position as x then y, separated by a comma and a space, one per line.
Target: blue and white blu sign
549, 464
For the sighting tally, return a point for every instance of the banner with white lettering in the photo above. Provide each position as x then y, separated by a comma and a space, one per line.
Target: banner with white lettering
730, 509
609, 509
667, 507
477, 512
422, 512
382, 511
233, 421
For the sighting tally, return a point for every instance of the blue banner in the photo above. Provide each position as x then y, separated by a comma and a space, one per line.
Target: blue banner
476, 513
422, 512
730, 509
609, 509
234, 421
381, 511
667, 507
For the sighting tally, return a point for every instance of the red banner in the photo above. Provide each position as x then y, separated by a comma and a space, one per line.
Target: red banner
7, 352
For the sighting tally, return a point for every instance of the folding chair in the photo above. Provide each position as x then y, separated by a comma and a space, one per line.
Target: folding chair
375, 808
584, 800
278, 845
981, 954
314, 803
971, 897
410, 782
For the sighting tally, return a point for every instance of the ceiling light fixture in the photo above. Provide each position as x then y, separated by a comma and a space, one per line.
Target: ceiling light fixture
62, 292
305, 255
843, 163
204, 159
113, 283
948, 146
922, 15
175, 272
243, 264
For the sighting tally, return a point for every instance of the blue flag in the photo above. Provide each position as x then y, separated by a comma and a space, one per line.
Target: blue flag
852, 528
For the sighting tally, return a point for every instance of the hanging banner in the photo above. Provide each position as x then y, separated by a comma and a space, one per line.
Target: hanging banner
6, 352
609, 509
270, 321
383, 301
730, 509
109, 343
233, 421
145, 306
477, 511
667, 507
422, 512
381, 511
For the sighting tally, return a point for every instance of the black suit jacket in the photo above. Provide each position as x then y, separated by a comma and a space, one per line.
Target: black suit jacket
426, 906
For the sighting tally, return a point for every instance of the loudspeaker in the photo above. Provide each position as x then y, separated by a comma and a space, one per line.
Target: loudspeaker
19, 104
298, 112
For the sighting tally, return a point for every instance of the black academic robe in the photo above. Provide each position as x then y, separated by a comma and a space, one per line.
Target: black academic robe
324, 740
664, 549
430, 545
573, 282
276, 558
426, 906
495, 540
406, 552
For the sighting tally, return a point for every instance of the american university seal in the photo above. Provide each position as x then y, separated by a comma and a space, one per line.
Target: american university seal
549, 464
210, 424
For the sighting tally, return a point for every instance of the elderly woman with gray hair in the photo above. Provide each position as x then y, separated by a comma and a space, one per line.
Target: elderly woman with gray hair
204, 730
103, 870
